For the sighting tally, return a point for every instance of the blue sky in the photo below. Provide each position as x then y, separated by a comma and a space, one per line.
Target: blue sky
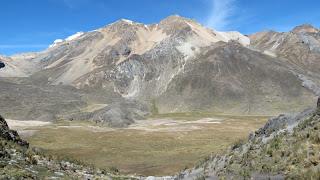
31, 25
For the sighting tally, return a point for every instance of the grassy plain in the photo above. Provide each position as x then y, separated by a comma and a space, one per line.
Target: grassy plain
160, 149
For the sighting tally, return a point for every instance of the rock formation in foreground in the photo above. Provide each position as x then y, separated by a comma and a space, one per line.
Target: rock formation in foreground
287, 147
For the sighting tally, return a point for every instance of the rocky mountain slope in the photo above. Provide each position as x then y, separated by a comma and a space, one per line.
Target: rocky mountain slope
287, 147
176, 65
299, 49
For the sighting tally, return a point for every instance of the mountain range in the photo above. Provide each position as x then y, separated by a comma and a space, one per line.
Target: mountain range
128, 70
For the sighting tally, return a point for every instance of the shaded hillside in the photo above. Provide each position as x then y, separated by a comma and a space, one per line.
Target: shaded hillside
20, 99
230, 78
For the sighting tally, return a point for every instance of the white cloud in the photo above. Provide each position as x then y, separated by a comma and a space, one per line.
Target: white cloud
221, 14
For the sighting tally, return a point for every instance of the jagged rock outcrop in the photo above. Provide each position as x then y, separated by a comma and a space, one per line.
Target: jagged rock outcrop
10, 135
280, 123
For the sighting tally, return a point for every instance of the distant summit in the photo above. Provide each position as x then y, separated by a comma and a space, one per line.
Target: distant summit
305, 28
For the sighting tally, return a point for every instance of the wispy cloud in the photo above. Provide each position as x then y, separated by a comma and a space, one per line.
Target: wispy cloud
221, 14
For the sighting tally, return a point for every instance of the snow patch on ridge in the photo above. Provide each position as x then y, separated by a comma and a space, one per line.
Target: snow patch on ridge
211, 35
127, 21
70, 38
236, 36
75, 36
56, 42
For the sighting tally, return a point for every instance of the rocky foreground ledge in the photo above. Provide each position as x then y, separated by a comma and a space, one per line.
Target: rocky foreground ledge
287, 147
11, 135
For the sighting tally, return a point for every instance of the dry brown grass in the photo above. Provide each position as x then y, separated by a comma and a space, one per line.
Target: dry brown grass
144, 152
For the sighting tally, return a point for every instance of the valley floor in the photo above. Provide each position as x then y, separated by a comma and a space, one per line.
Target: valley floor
160, 145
